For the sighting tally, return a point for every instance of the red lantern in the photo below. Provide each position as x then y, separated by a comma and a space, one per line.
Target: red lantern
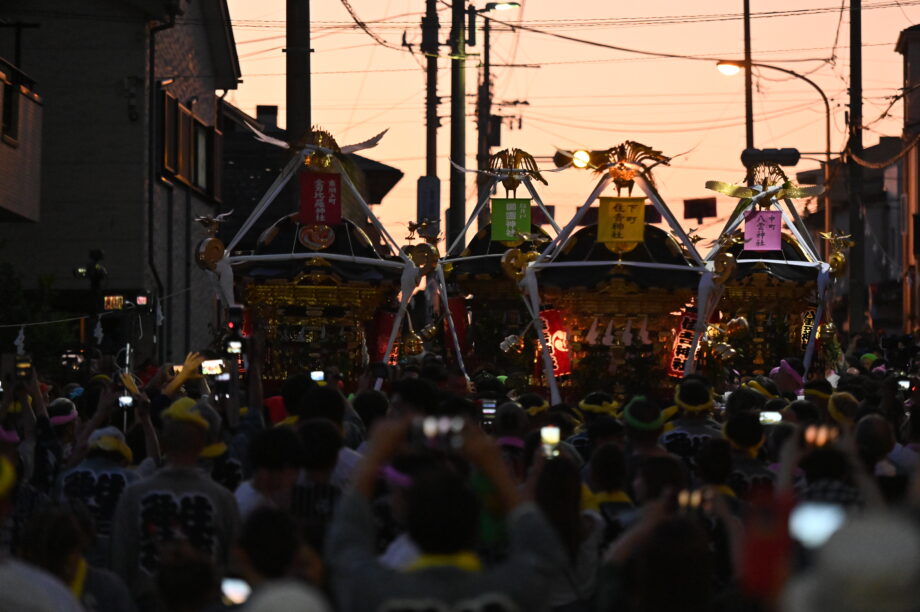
557, 340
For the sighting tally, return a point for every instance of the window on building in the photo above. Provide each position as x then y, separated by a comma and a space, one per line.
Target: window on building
201, 155
9, 117
170, 132
190, 148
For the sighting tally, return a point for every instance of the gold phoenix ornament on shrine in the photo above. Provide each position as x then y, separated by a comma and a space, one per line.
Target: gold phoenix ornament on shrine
423, 255
764, 175
838, 259
211, 249
519, 160
515, 261
620, 159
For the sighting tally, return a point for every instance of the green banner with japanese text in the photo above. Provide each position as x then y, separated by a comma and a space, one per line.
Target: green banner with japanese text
510, 217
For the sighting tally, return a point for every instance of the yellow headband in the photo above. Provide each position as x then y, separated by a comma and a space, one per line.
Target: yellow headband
692, 407
836, 414
752, 451
816, 393
535, 410
604, 408
756, 386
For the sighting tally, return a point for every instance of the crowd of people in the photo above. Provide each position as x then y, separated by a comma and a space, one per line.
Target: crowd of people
414, 488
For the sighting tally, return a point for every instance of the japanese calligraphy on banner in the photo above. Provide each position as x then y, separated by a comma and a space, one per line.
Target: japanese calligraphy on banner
683, 343
509, 218
621, 220
557, 340
320, 198
808, 323
763, 230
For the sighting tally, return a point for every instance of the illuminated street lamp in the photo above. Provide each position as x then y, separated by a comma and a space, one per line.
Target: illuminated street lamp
731, 68
581, 159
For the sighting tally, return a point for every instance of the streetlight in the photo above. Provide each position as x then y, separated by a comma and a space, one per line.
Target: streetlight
730, 68
484, 98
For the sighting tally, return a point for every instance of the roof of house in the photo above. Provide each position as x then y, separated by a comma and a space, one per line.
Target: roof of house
216, 23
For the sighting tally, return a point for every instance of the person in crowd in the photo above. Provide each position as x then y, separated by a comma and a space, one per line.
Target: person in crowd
870, 564
906, 454
594, 405
790, 376
271, 551
97, 483
56, 541
509, 428
644, 422
843, 408
186, 580
693, 424
24, 587
746, 435
442, 519
744, 400
558, 495
875, 440
315, 496
370, 405
818, 391
276, 455
329, 403
414, 396
608, 485
178, 503
802, 412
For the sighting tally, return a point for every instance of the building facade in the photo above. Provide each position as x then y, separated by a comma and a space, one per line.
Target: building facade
130, 156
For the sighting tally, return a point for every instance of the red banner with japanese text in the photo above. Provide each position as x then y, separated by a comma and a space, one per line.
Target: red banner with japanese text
556, 336
683, 343
320, 198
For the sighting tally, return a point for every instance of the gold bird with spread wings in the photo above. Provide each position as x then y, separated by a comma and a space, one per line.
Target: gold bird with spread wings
624, 158
515, 159
764, 175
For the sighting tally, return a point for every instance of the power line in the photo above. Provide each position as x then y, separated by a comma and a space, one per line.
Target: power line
661, 54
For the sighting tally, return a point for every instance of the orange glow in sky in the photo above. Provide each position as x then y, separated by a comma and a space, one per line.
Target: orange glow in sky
581, 96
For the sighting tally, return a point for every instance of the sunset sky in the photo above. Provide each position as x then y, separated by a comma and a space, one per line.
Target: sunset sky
584, 96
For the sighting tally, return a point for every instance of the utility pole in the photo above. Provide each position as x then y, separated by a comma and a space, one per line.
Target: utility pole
857, 290
18, 27
298, 68
428, 200
484, 120
456, 214
748, 87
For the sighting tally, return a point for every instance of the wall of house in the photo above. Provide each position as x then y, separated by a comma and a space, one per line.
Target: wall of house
182, 54
20, 157
91, 74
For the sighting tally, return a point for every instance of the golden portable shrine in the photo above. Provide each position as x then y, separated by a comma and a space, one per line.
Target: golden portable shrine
323, 281
599, 307
774, 282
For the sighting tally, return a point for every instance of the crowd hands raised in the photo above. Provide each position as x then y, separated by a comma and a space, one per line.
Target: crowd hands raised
171, 490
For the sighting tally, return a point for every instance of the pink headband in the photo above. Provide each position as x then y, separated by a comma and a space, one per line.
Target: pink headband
788, 369
64, 418
510, 441
395, 477
9, 436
